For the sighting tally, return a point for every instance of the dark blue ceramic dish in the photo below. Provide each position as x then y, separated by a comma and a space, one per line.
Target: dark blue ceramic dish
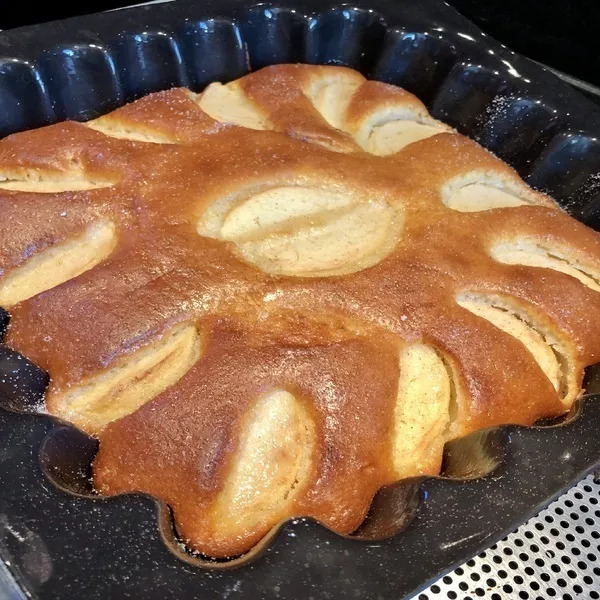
60, 541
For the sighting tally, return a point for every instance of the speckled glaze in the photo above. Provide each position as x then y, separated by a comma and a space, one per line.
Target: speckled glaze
63, 546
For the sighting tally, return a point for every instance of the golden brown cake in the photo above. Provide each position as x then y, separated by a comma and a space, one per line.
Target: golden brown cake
275, 297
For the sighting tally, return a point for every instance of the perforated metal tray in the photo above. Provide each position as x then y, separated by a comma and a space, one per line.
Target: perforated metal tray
58, 542
554, 555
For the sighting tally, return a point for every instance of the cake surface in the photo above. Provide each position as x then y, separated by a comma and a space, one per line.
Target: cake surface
277, 296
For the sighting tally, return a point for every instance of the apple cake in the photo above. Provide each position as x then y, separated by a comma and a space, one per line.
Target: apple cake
272, 298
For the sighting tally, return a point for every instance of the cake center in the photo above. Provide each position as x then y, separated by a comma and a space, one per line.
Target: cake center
306, 230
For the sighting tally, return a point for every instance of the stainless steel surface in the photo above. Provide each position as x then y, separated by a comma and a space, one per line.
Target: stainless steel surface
9, 589
554, 555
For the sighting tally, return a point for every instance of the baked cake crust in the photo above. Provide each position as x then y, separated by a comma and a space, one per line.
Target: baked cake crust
273, 298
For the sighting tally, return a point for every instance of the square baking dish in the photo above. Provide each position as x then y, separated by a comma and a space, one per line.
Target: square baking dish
58, 540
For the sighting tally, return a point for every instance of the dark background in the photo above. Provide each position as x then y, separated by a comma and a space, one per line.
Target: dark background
564, 34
